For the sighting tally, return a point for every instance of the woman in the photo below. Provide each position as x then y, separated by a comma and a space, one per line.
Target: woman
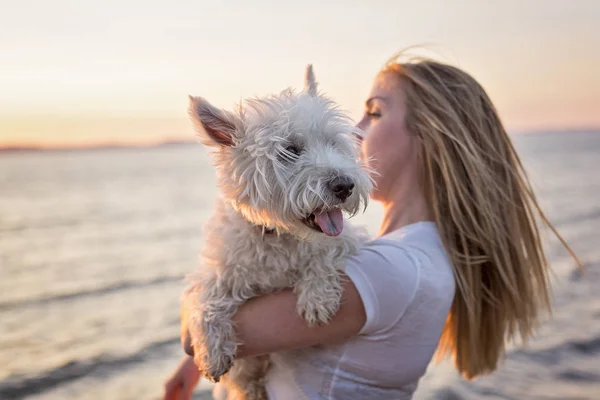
457, 265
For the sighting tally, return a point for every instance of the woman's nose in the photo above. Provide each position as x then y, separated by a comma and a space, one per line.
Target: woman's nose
361, 124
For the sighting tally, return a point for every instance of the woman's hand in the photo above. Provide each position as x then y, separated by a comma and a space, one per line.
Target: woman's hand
183, 381
186, 341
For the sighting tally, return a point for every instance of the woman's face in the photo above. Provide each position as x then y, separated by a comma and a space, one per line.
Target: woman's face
387, 146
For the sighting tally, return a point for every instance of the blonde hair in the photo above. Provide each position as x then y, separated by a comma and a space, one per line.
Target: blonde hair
485, 210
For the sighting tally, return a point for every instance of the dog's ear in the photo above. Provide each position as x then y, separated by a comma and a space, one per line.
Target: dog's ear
310, 83
215, 127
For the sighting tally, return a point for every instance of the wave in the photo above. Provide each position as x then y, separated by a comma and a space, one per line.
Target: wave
45, 224
556, 354
89, 293
20, 386
589, 215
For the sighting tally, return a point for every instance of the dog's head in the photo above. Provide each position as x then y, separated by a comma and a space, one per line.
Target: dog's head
288, 161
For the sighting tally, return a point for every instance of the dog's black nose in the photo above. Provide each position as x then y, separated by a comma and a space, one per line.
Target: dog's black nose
341, 187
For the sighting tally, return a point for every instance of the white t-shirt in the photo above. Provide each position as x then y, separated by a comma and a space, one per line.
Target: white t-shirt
406, 283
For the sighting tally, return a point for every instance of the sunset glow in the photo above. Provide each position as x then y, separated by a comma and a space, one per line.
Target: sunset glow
83, 73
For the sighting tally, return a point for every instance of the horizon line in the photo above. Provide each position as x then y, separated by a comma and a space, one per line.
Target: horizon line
95, 145
25, 146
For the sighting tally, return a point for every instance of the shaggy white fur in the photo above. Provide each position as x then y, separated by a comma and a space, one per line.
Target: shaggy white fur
287, 166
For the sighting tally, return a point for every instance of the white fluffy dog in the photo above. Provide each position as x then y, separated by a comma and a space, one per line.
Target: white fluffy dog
288, 166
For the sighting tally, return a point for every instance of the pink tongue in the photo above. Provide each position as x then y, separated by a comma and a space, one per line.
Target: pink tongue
331, 222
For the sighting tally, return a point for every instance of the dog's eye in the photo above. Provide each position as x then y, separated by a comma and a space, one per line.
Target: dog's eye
293, 149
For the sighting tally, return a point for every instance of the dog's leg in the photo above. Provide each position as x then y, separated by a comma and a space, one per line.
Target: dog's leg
211, 309
319, 292
246, 379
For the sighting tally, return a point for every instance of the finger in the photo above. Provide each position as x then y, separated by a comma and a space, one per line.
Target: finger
186, 391
171, 391
187, 344
176, 393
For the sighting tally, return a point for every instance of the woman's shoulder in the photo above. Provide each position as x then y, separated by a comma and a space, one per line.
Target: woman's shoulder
395, 269
424, 232
420, 241
422, 244
401, 248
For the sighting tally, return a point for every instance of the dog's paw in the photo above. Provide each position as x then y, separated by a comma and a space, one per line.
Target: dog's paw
212, 366
318, 299
317, 312
214, 370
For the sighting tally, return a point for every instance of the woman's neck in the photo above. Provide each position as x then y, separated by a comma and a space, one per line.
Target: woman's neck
405, 206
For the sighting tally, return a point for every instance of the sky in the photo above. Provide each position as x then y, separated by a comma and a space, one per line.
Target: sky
75, 72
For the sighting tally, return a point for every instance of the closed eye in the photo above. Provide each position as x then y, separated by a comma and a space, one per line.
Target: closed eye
293, 150
290, 153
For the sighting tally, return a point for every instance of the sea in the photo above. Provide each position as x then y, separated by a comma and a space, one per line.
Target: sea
94, 245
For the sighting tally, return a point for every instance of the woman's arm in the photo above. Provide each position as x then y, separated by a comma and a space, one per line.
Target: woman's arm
270, 323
